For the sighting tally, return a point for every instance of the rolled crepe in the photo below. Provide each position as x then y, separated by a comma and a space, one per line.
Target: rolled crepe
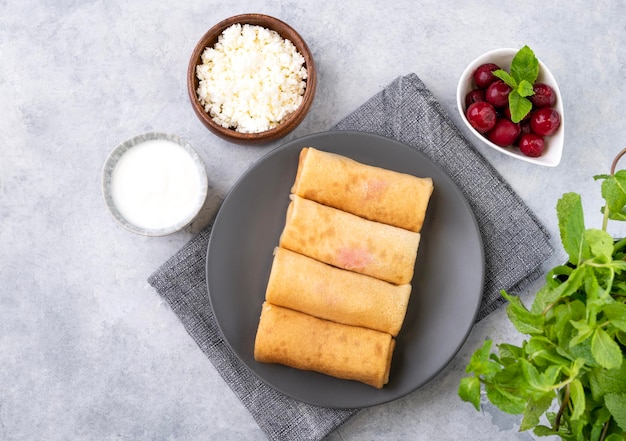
315, 288
350, 242
305, 342
371, 192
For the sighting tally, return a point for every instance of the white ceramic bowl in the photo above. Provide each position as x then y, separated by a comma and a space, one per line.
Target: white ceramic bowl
502, 57
154, 184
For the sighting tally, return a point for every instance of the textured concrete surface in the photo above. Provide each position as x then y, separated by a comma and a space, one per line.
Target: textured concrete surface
87, 349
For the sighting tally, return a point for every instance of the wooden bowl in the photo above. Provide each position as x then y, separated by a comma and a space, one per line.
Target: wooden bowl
290, 122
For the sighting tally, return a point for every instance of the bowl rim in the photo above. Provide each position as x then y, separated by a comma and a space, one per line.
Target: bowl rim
545, 75
107, 174
287, 32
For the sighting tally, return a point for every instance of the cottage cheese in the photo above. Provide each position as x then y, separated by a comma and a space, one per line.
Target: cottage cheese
252, 79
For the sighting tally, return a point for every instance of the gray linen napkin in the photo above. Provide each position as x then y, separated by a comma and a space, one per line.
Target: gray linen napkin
516, 244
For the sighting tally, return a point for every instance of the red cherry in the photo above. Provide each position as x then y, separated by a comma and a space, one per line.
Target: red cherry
544, 96
474, 96
524, 128
482, 116
498, 94
504, 133
545, 121
531, 145
483, 75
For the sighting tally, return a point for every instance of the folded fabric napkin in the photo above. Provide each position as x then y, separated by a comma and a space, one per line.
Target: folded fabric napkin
515, 246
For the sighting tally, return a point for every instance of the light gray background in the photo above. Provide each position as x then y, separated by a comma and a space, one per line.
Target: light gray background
88, 350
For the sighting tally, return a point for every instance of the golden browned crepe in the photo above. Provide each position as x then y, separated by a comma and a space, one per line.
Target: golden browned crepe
315, 288
304, 342
350, 242
371, 192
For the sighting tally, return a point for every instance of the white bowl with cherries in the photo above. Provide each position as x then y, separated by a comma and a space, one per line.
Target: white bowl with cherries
510, 101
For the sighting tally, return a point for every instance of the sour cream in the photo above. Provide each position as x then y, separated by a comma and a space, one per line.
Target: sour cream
156, 184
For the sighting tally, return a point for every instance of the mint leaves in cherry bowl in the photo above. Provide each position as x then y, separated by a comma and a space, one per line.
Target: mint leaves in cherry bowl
510, 101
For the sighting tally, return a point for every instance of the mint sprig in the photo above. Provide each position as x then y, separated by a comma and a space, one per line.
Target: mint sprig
524, 73
575, 352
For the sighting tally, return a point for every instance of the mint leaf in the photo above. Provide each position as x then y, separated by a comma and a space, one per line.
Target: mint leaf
604, 381
506, 77
504, 400
469, 390
540, 383
544, 431
584, 332
571, 226
541, 351
519, 106
525, 88
512, 377
534, 410
594, 293
577, 397
531, 374
579, 352
619, 266
509, 352
605, 350
548, 296
617, 216
614, 193
523, 320
575, 368
480, 362
552, 373
525, 66
564, 314
600, 243
616, 403
616, 313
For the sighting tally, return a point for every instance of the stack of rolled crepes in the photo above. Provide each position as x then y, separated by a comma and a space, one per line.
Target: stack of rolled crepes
339, 286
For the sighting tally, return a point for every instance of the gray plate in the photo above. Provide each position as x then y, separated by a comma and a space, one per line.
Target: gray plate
447, 285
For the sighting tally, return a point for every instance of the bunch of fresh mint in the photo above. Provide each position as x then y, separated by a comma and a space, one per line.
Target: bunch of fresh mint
577, 335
